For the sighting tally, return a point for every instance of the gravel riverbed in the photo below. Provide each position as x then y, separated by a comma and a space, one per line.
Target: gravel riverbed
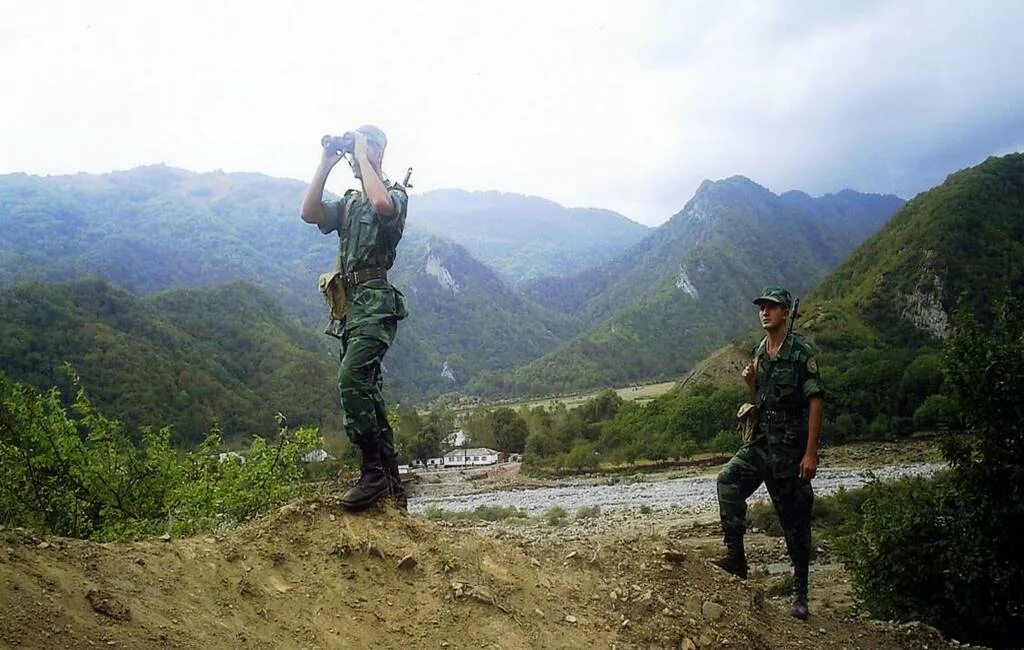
692, 493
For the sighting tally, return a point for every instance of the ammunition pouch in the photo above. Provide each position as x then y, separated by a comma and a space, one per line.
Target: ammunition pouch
747, 419
332, 286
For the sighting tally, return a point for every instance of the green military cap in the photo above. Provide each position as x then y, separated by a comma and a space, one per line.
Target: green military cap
774, 294
374, 135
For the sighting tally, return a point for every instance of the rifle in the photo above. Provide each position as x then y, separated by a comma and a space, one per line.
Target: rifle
792, 316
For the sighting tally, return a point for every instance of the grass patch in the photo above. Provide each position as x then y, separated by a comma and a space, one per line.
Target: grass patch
588, 512
833, 516
480, 513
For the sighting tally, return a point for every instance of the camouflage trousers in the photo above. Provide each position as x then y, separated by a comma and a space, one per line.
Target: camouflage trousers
792, 496
364, 414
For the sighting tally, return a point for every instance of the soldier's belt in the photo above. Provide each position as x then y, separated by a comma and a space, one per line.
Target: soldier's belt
365, 275
780, 416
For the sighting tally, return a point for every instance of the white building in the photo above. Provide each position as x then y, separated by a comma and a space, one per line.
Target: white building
469, 457
432, 463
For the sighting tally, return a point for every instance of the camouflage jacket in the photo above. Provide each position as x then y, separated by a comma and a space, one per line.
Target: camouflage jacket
366, 240
784, 386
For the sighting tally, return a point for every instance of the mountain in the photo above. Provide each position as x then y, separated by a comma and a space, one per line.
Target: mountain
961, 243
880, 318
465, 319
685, 289
189, 358
155, 228
525, 237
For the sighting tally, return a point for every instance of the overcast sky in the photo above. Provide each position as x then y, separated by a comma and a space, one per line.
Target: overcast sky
626, 106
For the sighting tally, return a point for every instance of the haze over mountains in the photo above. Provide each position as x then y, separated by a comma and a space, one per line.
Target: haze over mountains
525, 237
623, 303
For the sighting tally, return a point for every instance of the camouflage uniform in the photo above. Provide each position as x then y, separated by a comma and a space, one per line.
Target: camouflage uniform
784, 386
367, 241
773, 453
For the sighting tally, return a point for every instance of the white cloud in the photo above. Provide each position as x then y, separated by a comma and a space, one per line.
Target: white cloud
597, 104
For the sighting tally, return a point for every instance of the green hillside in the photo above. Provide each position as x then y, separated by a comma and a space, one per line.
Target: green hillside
155, 228
961, 243
880, 318
464, 319
191, 358
525, 237
668, 301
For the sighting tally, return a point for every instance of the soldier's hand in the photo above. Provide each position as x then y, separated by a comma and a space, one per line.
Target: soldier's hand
808, 467
329, 156
748, 374
360, 148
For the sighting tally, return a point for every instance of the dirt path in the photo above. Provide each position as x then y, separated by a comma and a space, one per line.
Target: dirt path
312, 576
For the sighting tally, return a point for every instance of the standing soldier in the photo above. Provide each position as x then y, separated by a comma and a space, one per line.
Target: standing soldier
782, 451
369, 226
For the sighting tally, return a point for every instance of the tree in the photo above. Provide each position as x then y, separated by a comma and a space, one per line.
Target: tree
948, 551
509, 430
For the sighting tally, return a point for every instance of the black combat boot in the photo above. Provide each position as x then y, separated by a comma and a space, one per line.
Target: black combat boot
390, 462
373, 484
735, 560
799, 608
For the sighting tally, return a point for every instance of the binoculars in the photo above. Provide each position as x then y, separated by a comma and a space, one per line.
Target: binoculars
344, 143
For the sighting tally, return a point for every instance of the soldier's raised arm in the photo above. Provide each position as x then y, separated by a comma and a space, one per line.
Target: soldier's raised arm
312, 208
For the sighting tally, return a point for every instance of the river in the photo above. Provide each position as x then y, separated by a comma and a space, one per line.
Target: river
691, 493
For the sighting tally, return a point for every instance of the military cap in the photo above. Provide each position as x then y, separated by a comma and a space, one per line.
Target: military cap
774, 294
374, 135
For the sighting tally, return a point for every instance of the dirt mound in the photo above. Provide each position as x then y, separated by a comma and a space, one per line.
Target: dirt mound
721, 368
313, 576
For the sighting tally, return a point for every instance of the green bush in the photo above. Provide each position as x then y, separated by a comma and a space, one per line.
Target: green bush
726, 441
84, 477
480, 513
761, 515
834, 516
947, 551
581, 457
935, 413
556, 516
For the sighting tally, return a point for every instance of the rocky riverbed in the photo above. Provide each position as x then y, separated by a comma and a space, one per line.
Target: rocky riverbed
696, 494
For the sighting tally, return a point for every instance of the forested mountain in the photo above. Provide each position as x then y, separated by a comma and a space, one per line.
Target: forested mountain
525, 237
155, 228
879, 318
961, 243
189, 358
465, 320
686, 288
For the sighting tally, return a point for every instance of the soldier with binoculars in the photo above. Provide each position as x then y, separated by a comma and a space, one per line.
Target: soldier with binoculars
369, 224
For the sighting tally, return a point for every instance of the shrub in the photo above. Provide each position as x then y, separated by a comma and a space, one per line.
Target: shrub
581, 457
480, 513
556, 516
588, 512
935, 413
947, 551
84, 477
726, 441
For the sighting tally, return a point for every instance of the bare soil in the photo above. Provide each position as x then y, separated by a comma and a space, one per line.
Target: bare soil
314, 576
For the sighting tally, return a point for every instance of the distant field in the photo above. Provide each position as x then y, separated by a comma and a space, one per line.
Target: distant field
639, 393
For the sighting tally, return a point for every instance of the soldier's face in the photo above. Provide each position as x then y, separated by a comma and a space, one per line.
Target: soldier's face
373, 152
773, 315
